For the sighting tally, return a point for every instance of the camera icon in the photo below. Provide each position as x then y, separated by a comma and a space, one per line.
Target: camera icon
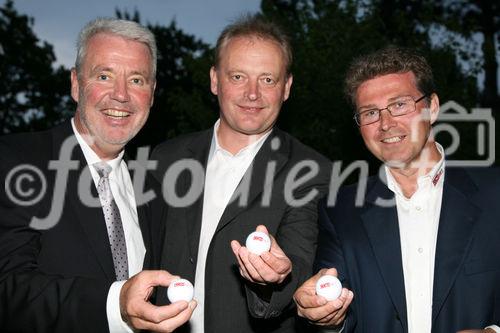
468, 138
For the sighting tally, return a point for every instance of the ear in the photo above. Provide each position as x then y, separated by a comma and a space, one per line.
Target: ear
153, 94
213, 80
75, 89
288, 85
434, 108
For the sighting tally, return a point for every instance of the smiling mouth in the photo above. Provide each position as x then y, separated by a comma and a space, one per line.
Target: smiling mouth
116, 113
394, 139
251, 108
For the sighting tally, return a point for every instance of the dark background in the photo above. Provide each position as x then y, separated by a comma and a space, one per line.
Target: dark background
327, 35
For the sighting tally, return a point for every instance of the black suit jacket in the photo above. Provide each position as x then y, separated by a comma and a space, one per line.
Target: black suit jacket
232, 304
363, 243
57, 280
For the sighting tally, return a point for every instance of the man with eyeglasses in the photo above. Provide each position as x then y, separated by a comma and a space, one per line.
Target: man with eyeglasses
419, 254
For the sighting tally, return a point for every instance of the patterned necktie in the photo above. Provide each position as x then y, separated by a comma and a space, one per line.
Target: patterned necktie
113, 222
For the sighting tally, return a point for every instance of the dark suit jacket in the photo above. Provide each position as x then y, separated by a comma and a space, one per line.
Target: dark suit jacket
363, 243
231, 304
57, 280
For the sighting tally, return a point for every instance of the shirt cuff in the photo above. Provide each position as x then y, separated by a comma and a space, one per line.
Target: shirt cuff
494, 328
115, 321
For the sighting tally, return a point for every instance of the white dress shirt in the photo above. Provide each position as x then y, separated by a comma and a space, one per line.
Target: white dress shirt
223, 174
418, 218
123, 193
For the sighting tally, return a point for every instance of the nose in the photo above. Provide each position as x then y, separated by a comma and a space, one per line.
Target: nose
386, 120
253, 90
120, 90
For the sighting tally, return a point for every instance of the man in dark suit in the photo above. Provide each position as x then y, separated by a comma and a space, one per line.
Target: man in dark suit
244, 174
420, 251
74, 231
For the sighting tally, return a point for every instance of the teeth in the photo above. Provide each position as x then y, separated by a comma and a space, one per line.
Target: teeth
116, 113
393, 139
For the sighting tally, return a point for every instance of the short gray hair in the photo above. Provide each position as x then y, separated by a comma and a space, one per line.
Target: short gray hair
122, 28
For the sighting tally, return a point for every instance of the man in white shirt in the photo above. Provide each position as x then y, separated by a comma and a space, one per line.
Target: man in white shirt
249, 175
419, 255
67, 264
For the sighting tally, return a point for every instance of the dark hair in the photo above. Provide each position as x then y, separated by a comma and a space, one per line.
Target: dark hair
255, 26
389, 60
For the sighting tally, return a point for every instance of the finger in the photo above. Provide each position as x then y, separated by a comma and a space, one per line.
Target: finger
242, 268
180, 319
306, 300
170, 324
262, 228
305, 296
319, 314
157, 278
329, 271
342, 304
235, 246
279, 265
267, 273
156, 314
244, 255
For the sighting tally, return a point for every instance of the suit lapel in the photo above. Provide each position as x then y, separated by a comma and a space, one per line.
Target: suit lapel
142, 214
254, 180
456, 224
91, 219
381, 224
198, 150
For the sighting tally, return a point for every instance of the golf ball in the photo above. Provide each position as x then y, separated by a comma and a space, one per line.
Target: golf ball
258, 242
180, 290
329, 287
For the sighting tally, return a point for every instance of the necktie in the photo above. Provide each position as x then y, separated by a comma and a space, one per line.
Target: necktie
113, 222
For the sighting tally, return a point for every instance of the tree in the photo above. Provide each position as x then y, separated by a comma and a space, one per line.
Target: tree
327, 36
468, 18
33, 95
183, 102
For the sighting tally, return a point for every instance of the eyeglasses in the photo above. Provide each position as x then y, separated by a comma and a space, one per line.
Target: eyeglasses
400, 107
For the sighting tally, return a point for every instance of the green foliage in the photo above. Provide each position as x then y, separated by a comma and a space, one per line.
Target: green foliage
33, 95
183, 102
328, 35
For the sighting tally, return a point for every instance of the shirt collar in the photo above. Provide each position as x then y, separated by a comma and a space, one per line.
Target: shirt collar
434, 176
90, 156
251, 148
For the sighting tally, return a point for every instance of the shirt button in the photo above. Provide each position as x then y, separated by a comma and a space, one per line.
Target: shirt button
420, 250
418, 208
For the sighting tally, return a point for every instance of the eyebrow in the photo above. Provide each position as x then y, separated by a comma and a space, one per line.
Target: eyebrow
109, 69
389, 101
232, 71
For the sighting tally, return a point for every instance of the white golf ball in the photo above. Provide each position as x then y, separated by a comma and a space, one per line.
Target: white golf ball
258, 242
329, 287
180, 290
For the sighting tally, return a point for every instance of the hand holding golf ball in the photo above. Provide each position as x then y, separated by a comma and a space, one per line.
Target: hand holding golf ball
180, 290
329, 287
261, 260
258, 242
322, 300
